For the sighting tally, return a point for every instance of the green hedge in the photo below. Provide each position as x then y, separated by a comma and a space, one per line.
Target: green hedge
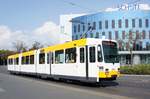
142, 69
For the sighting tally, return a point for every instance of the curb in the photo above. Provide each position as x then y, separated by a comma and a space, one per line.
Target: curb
135, 75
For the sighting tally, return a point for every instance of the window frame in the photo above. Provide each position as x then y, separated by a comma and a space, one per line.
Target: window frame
100, 25
57, 53
73, 58
119, 23
31, 59
92, 57
82, 57
106, 24
100, 53
41, 61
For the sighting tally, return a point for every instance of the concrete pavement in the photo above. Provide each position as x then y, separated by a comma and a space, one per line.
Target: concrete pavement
23, 87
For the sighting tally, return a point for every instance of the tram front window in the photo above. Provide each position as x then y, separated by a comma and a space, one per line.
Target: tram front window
110, 52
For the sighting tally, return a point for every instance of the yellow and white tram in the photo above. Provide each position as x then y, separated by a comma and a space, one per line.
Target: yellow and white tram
89, 60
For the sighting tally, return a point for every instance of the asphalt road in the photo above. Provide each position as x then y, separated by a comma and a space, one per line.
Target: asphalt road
24, 87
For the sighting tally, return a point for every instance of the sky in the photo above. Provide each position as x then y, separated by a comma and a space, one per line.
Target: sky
38, 20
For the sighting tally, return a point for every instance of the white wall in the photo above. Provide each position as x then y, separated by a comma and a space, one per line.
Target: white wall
66, 27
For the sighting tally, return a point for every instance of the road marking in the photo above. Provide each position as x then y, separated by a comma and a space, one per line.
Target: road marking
2, 90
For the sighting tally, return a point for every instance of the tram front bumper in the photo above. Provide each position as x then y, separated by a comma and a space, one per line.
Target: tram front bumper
110, 74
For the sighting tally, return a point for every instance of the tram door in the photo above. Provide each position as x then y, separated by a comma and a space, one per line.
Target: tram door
82, 62
91, 61
50, 61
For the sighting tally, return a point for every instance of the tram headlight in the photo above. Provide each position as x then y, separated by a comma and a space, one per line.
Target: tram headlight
118, 69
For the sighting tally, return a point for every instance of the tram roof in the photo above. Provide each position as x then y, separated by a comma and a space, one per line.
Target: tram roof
71, 44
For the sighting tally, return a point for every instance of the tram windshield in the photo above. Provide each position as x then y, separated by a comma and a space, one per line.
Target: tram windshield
110, 52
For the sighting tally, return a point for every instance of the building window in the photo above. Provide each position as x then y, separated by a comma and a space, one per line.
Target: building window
94, 26
73, 37
89, 26
149, 34
70, 55
126, 23
140, 23
82, 57
76, 37
113, 23
116, 34
62, 29
130, 34
75, 29
106, 24
133, 23
42, 58
83, 27
120, 46
140, 45
78, 27
120, 23
143, 34
100, 24
97, 34
123, 34
92, 54
59, 57
110, 35
137, 35
127, 46
103, 33
147, 23
91, 34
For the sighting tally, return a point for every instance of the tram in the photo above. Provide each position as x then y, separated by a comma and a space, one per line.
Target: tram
87, 60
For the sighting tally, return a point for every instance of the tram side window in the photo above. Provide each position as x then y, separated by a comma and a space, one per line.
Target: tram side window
70, 55
99, 54
92, 54
42, 58
32, 59
23, 60
17, 61
82, 55
52, 58
59, 57
27, 59
48, 58
11, 61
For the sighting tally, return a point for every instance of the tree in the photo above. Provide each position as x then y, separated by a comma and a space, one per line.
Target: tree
19, 46
36, 45
131, 39
3, 56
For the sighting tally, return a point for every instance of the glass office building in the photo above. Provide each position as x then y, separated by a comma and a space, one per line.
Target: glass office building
130, 28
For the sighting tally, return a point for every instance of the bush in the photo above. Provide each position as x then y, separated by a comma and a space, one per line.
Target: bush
143, 69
